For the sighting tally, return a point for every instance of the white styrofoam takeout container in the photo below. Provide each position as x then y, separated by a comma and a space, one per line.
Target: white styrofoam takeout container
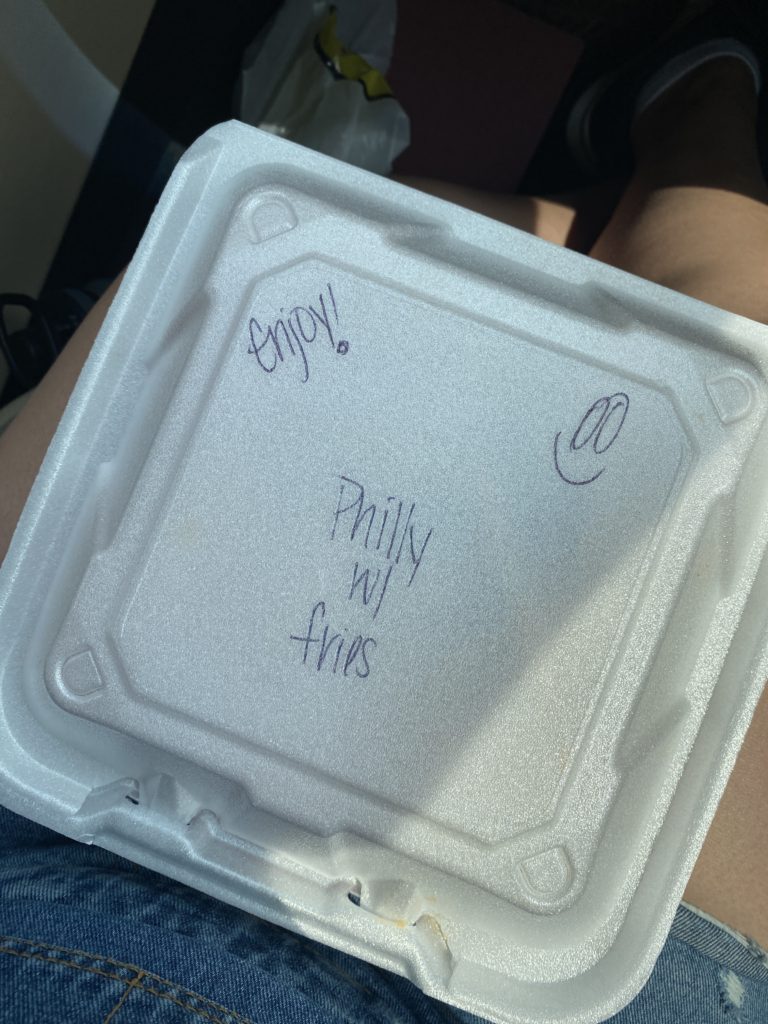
398, 577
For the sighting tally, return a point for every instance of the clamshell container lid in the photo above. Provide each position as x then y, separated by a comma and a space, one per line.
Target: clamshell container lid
398, 577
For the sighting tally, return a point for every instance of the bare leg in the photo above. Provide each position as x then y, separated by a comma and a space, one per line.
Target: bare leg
573, 219
694, 216
24, 443
694, 219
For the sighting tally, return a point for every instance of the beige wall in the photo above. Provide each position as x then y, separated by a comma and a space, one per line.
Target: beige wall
41, 170
107, 31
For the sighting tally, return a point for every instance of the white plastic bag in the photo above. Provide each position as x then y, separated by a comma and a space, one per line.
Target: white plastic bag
317, 77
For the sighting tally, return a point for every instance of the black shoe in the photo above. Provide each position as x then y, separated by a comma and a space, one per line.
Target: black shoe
600, 121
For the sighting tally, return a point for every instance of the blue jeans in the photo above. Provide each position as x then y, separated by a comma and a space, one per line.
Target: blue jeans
88, 937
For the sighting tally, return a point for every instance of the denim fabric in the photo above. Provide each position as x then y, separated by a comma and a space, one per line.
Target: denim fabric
88, 937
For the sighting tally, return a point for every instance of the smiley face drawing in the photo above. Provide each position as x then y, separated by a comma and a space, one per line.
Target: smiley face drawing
576, 461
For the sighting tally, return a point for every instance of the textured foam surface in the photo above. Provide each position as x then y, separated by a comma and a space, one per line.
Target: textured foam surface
398, 577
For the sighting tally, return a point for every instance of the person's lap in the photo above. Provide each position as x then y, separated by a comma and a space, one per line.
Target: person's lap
88, 936
121, 943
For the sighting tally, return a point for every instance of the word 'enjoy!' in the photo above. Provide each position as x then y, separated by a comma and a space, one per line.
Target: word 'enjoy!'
276, 341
